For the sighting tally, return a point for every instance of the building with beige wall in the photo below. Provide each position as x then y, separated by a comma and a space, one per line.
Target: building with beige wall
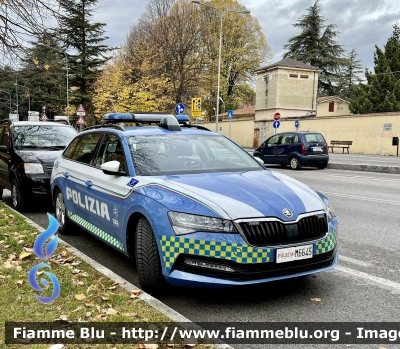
287, 87
332, 106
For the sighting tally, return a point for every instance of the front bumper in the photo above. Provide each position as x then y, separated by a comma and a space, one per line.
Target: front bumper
250, 264
34, 185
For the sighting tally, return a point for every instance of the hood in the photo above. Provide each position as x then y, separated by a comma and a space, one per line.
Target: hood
240, 195
39, 156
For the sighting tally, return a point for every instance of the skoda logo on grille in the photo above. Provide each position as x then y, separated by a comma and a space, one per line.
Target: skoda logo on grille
287, 212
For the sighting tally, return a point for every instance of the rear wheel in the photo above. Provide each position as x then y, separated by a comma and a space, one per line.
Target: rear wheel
148, 260
61, 214
294, 163
322, 166
17, 200
1, 192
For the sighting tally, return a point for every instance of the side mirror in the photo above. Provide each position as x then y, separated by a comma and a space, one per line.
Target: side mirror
3, 148
261, 161
111, 167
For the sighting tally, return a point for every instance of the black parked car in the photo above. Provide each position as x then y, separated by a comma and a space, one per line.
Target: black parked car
296, 149
27, 153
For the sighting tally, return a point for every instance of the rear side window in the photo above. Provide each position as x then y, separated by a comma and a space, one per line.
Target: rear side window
83, 151
314, 138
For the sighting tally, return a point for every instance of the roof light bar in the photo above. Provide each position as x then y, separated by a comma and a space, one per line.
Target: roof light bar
164, 120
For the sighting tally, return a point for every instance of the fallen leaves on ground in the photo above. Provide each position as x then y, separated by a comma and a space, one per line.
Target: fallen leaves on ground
24, 255
110, 311
148, 346
19, 282
80, 297
130, 314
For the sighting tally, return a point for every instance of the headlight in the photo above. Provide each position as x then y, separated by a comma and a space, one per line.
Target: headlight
330, 213
184, 223
33, 168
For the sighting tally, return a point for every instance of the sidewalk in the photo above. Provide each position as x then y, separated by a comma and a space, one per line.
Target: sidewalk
361, 162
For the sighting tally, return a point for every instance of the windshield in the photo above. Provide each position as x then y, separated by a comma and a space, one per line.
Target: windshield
42, 136
179, 154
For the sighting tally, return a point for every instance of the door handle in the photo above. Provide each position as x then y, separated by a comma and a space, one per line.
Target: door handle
66, 174
89, 183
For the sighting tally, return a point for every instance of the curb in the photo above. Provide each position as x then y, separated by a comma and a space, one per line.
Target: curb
150, 300
364, 167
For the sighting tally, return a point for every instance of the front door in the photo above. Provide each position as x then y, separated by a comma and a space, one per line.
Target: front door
108, 193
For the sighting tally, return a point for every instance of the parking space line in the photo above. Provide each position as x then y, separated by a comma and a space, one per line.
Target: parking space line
354, 261
380, 282
384, 201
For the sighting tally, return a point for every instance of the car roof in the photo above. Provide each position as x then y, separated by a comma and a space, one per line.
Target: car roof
153, 130
39, 123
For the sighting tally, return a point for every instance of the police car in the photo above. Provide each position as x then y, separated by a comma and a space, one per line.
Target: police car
190, 205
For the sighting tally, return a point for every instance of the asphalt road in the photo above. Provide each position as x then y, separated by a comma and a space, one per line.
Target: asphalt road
364, 287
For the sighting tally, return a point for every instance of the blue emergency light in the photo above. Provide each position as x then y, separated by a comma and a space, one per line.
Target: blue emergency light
167, 121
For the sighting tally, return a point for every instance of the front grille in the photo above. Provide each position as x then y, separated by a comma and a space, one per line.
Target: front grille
248, 272
264, 233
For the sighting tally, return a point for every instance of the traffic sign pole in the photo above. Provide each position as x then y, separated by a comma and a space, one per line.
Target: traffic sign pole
230, 117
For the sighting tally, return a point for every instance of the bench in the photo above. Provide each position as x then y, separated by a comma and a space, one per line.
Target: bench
341, 144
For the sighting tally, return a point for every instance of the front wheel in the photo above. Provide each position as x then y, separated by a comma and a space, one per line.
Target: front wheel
322, 166
294, 163
64, 224
1, 192
148, 262
17, 200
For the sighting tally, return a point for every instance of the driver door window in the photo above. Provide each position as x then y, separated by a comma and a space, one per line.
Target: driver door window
111, 149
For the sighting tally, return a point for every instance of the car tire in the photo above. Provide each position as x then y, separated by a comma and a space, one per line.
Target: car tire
1, 192
17, 200
148, 262
64, 223
294, 163
322, 166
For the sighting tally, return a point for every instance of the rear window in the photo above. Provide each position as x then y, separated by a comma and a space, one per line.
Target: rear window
314, 138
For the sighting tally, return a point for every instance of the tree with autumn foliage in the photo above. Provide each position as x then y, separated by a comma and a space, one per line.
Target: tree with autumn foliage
171, 56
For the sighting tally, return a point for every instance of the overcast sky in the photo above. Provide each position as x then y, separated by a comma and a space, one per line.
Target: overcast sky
362, 23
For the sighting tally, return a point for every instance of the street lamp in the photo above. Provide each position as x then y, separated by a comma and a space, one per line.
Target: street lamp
4, 91
29, 94
66, 68
221, 13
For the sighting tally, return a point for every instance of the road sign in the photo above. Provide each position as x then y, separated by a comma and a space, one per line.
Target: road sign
277, 124
196, 113
196, 104
277, 116
297, 123
81, 108
33, 115
179, 108
44, 117
230, 114
13, 117
81, 121
80, 111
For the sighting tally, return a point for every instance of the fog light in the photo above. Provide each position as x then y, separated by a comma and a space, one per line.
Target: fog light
201, 264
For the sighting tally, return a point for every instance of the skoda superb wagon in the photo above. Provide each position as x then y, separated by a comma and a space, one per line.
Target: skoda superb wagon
192, 207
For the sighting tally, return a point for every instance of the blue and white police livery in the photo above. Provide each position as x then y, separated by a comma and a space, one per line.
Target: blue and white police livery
190, 205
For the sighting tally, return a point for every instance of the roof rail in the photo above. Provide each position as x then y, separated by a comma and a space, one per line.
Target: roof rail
118, 127
196, 126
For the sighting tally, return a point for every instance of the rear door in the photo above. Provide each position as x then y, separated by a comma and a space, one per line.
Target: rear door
315, 144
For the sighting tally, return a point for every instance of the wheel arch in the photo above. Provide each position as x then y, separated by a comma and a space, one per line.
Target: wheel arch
131, 232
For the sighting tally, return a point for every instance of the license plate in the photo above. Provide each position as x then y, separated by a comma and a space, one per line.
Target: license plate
317, 149
294, 253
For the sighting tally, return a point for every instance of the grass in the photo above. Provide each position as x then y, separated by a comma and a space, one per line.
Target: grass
86, 295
